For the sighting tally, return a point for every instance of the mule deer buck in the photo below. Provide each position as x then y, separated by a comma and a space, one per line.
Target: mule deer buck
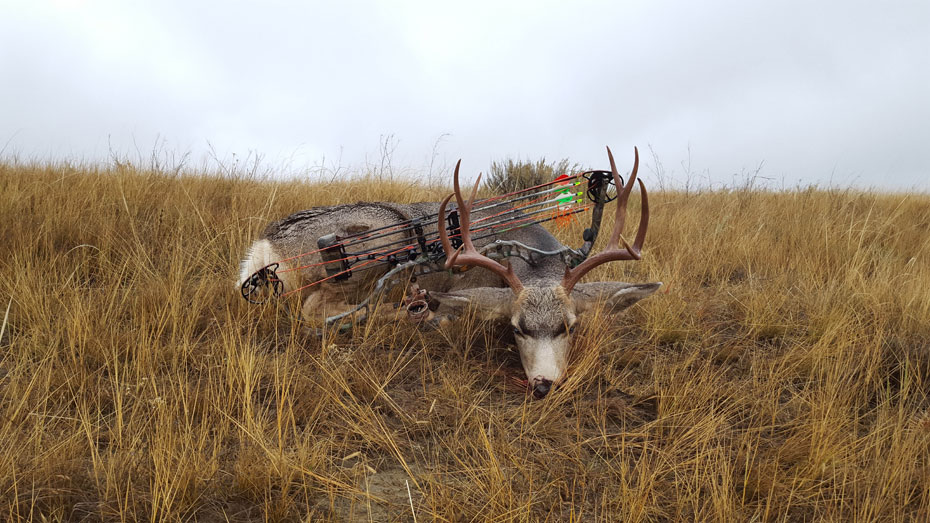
541, 300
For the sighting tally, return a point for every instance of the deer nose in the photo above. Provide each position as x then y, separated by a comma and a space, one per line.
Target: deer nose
541, 388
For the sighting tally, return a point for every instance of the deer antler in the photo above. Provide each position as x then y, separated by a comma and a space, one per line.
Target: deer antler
613, 252
470, 256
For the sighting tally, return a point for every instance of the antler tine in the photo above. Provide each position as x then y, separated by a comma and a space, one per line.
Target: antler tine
643, 222
613, 252
444, 234
465, 208
467, 254
622, 199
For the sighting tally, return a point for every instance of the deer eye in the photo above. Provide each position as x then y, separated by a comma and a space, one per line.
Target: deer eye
517, 331
571, 330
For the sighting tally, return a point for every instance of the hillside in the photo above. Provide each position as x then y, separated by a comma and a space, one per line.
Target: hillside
782, 372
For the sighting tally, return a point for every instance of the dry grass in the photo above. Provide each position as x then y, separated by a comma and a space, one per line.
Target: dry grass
782, 374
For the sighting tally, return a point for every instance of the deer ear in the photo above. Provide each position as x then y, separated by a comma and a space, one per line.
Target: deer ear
615, 295
491, 302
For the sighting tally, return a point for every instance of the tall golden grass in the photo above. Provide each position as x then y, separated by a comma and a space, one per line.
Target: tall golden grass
782, 373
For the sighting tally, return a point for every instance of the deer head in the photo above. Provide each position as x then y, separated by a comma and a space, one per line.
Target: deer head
544, 314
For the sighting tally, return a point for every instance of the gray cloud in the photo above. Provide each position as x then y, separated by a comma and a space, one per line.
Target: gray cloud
833, 92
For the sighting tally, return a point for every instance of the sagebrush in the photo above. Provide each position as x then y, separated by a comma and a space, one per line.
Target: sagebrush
512, 175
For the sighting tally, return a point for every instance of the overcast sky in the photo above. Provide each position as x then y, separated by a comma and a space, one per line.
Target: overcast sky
816, 92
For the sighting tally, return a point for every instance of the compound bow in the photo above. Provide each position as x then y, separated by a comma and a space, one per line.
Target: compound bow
421, 253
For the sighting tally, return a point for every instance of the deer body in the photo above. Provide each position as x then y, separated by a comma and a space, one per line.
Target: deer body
299, 233
541, 301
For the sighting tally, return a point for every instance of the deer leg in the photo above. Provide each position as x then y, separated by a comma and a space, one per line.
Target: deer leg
322, 304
